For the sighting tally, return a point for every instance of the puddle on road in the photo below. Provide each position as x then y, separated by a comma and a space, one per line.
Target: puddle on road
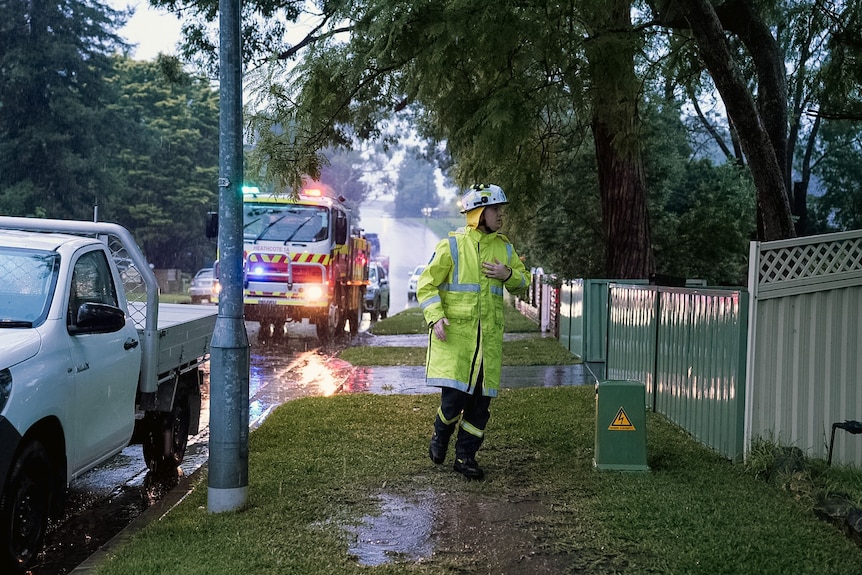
490, 535
410, 379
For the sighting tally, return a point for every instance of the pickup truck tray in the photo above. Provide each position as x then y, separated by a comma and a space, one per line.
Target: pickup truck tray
184, 333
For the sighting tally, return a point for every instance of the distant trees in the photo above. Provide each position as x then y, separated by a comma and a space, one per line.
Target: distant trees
416, 188
586, 112
84, 127
55, 123
166, 163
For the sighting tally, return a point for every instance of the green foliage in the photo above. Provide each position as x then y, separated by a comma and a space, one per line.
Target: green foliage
562, 230
702, 214
83, 126
167, 162
343, 171
55, 125
513, 107
840, 173
705, 232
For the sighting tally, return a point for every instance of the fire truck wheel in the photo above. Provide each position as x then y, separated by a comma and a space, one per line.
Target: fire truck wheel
355, 320
323, 331
327, 324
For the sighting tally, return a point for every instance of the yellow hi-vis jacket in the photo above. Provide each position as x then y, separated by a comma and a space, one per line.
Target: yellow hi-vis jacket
453, 286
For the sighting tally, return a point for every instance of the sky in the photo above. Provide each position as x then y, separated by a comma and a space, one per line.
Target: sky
152, 30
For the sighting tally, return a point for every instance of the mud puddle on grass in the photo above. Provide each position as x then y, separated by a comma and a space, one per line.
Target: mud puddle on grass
487, 535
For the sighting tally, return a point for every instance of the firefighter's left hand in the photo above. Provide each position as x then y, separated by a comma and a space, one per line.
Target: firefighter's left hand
496, 270
440, 328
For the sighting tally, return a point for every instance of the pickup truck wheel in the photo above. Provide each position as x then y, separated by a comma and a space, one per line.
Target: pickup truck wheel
25, 507
166, 436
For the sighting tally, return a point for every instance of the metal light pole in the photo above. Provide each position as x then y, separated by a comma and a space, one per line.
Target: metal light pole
229, 373
426, 211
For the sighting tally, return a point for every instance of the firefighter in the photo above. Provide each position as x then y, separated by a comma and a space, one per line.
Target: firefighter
461, 296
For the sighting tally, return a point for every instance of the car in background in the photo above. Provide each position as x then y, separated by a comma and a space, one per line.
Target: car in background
203, 284
411, 283
377, 292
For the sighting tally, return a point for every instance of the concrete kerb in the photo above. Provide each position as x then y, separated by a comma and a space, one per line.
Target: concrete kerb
153, 513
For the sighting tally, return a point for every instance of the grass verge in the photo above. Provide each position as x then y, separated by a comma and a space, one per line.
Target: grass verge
533, 351
411, 321
692, 513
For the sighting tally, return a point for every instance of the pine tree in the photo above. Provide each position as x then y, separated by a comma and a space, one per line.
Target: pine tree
54, 57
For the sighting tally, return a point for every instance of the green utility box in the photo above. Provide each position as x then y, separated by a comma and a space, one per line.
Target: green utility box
621, 426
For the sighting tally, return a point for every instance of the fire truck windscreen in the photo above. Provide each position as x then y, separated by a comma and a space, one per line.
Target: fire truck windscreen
285, 223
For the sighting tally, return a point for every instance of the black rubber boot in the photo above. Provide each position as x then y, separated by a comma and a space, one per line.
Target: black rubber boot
437, 448
440, 440
469, 468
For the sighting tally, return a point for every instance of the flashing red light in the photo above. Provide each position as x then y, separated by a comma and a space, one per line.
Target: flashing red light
313, 192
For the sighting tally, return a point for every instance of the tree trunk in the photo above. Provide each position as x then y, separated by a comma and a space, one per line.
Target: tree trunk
615, 123
739, 17
772, 198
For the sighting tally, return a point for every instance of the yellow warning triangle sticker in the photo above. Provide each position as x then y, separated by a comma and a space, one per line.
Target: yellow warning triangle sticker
621, 422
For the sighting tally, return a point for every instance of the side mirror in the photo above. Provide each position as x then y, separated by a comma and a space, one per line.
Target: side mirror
212, 225
98, 318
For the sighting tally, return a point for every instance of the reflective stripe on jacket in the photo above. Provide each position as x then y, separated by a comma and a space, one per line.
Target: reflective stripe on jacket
453, 286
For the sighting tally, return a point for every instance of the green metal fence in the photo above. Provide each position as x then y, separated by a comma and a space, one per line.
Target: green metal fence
688, 346
780, 361
583, 320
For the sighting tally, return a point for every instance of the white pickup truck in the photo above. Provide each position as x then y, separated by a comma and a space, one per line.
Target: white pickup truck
89, 363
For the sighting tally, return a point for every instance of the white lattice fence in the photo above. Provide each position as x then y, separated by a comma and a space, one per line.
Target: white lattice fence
805, 264
804, 342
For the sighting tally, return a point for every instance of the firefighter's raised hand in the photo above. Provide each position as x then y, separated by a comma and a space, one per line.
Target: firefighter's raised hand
496, 270
440, 328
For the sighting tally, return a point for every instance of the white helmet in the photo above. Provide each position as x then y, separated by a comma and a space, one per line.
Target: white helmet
482, 195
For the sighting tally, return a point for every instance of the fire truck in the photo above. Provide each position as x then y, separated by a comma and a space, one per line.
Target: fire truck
303, 259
